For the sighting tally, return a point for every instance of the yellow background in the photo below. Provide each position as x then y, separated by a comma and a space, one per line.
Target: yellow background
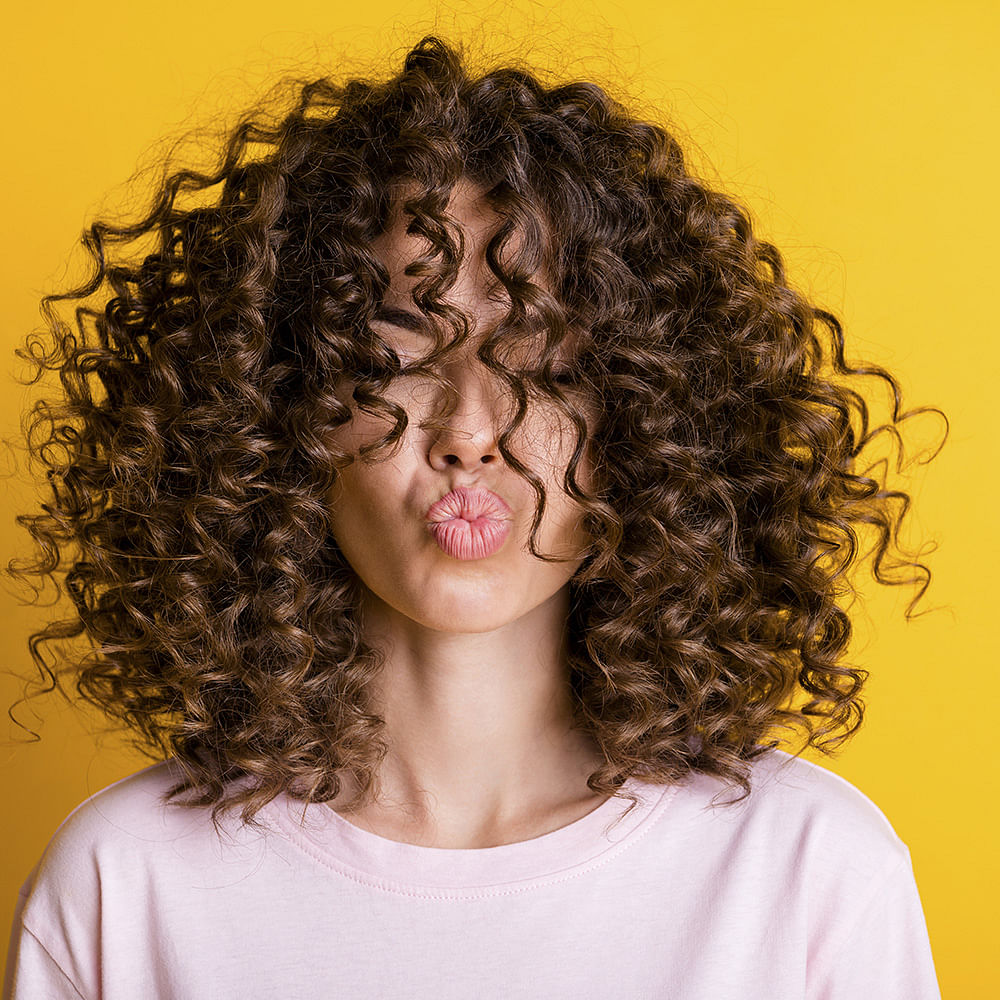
862, 136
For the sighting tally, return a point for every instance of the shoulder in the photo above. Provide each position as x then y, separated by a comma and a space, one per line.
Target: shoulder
132, 808
781, 776
124, 834
818, 795
116, 861
797, 811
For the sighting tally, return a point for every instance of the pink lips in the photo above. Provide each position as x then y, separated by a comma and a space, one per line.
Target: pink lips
469, 522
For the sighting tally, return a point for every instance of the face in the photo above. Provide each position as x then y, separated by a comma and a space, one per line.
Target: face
378, 509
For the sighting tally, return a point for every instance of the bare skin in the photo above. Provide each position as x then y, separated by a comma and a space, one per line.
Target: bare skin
475, 690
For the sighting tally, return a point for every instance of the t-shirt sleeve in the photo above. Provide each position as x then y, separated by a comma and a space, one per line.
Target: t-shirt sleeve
55, 932
32, 972
885, 952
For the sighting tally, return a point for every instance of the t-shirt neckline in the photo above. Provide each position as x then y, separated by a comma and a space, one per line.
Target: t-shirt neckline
396, 866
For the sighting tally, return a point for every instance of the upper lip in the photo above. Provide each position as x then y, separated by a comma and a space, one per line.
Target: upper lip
469, 502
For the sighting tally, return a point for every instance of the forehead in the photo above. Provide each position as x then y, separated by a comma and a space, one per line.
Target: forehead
476, 290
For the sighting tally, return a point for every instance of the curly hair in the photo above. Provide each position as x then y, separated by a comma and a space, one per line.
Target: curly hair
189, 453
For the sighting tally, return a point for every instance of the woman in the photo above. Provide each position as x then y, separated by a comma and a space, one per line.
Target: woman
463, 503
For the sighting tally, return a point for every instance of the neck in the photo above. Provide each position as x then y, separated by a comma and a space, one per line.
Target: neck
479, 730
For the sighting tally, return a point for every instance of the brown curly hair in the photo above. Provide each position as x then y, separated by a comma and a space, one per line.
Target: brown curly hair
189, 453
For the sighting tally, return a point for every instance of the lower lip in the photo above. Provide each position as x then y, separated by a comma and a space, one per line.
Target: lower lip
476, 539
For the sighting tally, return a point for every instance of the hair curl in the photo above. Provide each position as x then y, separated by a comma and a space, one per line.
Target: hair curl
189, 454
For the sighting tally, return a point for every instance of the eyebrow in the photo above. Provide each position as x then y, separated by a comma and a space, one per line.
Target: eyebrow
402, 318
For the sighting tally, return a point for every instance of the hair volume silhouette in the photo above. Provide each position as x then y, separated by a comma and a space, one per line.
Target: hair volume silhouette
188, 456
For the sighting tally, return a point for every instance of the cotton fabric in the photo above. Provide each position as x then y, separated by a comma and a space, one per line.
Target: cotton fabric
803, 891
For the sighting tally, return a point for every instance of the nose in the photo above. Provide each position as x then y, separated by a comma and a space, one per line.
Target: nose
468, 436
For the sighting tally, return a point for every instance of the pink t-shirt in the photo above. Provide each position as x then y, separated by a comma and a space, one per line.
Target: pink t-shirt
802, 891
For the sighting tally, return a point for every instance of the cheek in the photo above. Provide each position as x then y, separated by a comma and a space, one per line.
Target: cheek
560, 436
564, 514
364, 427
361, 521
